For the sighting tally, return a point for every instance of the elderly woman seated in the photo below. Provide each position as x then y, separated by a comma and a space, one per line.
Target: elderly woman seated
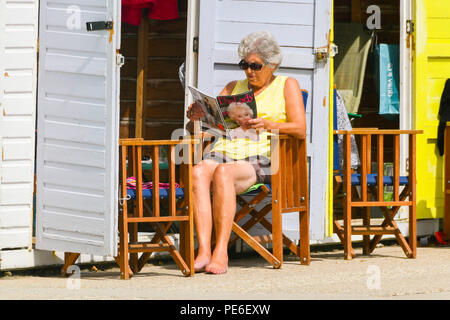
234, 166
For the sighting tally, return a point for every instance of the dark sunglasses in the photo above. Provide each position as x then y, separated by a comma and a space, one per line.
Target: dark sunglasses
244, 65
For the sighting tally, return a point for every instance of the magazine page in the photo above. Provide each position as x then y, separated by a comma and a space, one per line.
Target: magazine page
213, 118
236, 110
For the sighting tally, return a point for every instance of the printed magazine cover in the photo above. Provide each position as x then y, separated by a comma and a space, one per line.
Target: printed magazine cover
225, 114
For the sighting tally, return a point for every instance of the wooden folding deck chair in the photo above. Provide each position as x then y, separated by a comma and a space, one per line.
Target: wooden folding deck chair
289, 193
372, 190
135, 210
180, 206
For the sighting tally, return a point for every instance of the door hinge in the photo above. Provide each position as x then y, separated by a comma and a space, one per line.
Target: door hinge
323, 53
195, 44
120, 60
99, 25
409, 27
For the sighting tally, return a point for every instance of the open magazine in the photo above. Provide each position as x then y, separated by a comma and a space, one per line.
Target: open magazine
224, 113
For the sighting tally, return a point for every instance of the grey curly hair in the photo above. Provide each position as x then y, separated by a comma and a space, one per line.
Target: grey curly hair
264, 44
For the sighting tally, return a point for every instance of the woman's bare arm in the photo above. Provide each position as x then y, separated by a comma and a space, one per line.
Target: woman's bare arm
295, 111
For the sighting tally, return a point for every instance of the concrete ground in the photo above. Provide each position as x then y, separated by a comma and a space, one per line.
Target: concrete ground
386, 274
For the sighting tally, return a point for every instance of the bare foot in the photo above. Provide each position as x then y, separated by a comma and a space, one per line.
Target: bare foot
217, 266
201, 262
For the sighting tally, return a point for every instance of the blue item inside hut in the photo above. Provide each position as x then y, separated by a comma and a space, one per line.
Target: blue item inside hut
387, 78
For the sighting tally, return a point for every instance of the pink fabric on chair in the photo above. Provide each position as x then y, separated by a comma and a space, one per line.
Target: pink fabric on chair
131, 184
159, 10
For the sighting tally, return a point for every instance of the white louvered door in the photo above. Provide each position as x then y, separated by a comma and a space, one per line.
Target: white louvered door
77, 138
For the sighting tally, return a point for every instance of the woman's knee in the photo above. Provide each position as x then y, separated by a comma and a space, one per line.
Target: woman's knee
222, 175
201, 173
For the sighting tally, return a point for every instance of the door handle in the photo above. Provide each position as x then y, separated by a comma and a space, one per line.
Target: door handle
99, 25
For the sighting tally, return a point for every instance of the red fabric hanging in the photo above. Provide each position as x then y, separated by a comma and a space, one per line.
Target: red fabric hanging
159, 10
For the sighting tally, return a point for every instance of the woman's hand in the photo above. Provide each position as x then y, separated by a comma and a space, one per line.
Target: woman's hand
258, 123
195, 112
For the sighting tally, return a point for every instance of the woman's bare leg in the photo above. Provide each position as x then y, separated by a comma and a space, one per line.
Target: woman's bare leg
228, 180
202, 174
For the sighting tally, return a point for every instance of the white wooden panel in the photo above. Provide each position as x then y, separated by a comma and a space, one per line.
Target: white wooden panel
20, 38
19, 15
74, 132
77, 110
17, 173
91, 3
16, 193
78, 42
299, 27
17, 150
73, 155
74, 64
58, 17
19, 82
86, 225
18, 52
17, 128
20, 59
75, 85
83, 200
320, 134
286, 35
87, 179
21, 105
18, 216
15, 238
262, 12
77, 187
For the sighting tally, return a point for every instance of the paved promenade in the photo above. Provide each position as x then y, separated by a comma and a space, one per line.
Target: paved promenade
386, 274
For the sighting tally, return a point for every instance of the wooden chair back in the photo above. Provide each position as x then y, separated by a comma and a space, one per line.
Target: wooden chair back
179, 209
372, 188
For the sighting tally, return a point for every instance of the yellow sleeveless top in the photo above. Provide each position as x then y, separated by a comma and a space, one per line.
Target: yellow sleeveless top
271, 106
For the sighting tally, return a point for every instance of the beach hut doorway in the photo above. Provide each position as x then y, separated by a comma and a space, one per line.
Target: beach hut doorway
372, 24
302, 29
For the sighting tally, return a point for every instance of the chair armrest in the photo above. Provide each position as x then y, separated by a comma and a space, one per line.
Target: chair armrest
289, 172
142, 142
375, 131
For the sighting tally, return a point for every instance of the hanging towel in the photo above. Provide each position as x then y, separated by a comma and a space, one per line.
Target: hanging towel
159, 10
444, 116
350, 64
164, 10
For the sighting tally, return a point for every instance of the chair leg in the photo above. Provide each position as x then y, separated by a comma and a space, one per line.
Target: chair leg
69, 259
347, 234
366, 239
305, 253
123, 247
340, 233
277, 234
389, 220
274, 261
187, 246
133, 232
412, 231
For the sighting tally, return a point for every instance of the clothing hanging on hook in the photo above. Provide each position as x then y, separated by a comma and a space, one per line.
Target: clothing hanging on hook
158, 10
374, 39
